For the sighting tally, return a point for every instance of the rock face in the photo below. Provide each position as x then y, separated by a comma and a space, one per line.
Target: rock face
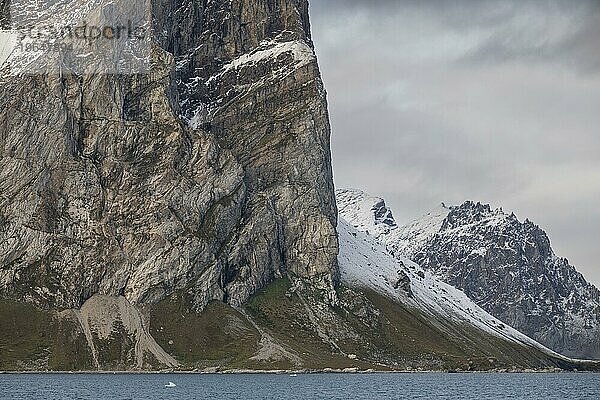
509, 269
505, 266
210, 173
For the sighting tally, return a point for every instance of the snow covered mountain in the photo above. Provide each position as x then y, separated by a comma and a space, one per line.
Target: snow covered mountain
182, 214
366, 263
505, 266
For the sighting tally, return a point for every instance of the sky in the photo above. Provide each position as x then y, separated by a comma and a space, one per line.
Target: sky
493, 101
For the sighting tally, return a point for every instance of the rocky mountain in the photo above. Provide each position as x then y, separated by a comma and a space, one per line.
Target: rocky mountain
366, 263
211, 172
208, 173
505, 266
390, 314
173, 208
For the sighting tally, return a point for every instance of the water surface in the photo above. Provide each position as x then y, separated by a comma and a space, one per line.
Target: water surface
314, 386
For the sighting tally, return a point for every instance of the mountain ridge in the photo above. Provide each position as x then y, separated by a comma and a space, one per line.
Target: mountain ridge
466, 245
208, 170
185, 218
390, 315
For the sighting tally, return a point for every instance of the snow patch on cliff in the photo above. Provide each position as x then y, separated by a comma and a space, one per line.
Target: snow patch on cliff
270, 50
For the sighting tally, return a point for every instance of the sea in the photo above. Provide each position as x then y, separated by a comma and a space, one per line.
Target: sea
476, 386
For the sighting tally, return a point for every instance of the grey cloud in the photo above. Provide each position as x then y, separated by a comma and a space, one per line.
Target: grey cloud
443, 101
578, 48
508, 28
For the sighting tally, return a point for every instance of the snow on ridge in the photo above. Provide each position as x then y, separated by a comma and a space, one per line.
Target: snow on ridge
366, 213
410, 237
355, 206
268, 51
387, 252
365, 262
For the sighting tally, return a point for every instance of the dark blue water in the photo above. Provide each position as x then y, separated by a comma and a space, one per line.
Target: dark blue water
317, 386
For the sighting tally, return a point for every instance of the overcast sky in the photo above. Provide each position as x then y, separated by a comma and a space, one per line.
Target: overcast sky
443, 101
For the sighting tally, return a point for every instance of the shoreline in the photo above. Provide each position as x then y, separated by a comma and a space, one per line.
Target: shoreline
332, 371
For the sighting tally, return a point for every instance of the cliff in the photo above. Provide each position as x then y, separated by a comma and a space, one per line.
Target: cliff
169, 204
211, 172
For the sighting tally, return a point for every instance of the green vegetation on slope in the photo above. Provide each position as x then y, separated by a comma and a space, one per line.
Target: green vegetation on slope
416, 340
379, 331
24, 336
295, 322
34, 339
219, 336
70, 350
280, 328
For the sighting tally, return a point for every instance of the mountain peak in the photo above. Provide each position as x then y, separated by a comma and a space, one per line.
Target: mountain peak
508, 268
365, 212
471, 212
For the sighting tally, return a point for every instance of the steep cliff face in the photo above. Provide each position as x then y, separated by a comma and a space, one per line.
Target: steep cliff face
505, 266
210, 173
128, 202
254, 84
